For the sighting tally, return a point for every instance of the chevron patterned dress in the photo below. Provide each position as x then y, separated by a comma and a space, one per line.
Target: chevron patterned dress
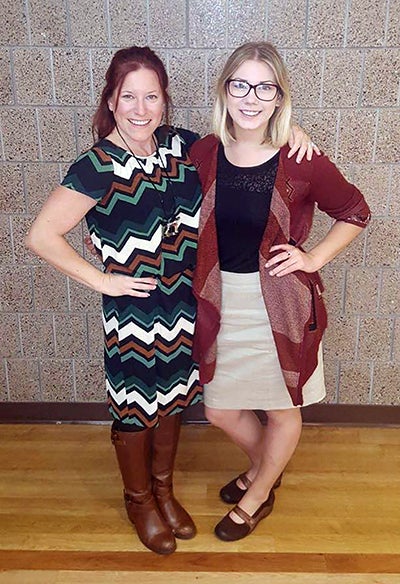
148, 341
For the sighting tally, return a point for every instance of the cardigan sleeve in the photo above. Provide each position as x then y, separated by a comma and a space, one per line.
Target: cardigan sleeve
335, 195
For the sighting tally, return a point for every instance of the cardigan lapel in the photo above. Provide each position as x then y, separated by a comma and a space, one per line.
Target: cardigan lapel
207, 271
207, 277
277, 229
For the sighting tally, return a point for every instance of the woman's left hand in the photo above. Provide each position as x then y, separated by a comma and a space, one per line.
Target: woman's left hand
291, 259
301, 143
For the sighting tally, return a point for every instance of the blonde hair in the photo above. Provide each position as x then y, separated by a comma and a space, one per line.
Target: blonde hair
278, 128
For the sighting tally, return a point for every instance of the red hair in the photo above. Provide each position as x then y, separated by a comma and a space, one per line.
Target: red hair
123, 62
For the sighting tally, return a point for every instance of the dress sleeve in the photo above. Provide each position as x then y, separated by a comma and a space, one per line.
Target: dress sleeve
91, 174
335, 195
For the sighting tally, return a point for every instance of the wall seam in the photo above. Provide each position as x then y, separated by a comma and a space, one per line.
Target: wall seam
321, 90
39, 136
306, 24
73, 378
91, 79
379, 291
337, 136
375, 144
7, 378
20, 333
55, 336
13, 79
52, 73
3, 153
10, 225
39, 373
68, 24
148, 21
387, 19
358, 332
371, 382
28, 21
362, 79
108, 21
392, 337
346, 22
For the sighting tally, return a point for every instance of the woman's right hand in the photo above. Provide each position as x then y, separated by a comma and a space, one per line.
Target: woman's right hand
301, 143
120, 285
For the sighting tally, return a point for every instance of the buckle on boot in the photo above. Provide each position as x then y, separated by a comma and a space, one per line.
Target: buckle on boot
127, 498
116, 438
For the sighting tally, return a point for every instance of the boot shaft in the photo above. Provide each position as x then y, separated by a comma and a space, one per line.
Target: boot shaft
134, 455
165, 444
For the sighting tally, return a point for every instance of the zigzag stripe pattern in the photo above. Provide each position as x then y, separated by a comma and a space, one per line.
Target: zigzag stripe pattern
132, 329
151, 163
124, 401
137, 183
120, 252
148, 341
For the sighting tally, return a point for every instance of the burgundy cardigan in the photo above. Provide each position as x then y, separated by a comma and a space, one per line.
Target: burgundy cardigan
294, 302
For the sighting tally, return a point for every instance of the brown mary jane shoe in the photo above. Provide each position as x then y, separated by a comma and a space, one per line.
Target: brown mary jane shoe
228, 530
232, 494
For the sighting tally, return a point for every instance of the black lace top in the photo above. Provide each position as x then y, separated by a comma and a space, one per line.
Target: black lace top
243, 198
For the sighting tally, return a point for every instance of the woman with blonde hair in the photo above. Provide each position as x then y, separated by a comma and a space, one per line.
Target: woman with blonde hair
260, 314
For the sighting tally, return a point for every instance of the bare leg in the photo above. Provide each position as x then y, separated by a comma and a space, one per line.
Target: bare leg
279, 440
244, 429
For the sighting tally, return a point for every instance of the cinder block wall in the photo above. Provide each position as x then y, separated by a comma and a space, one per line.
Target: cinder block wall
344, 60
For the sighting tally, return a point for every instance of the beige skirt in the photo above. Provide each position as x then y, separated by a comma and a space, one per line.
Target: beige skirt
248, 374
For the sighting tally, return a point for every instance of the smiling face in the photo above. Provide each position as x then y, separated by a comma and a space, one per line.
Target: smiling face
138, 110
250, 114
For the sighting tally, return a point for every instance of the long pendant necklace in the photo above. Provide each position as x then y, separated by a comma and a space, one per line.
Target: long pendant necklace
170, 221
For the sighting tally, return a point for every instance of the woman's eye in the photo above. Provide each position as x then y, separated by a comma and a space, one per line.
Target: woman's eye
239, 85
127, 96
152, 97
267, 87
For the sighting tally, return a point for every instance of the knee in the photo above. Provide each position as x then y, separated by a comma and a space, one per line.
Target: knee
218, 418
290, 418
213, 416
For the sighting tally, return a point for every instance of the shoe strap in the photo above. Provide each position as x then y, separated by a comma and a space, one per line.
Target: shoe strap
243, 515
252, 520
245, 480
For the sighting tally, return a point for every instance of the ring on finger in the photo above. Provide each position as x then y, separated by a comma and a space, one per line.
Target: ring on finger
289, 253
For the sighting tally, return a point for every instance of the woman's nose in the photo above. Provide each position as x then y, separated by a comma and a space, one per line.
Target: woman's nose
140, 106
251, 96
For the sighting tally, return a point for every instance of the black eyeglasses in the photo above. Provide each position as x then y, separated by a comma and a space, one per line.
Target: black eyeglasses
263, 91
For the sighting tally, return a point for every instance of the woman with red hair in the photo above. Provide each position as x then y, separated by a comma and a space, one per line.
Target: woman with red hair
140, 196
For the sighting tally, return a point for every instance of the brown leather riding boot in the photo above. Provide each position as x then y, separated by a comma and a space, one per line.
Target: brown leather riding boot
165, 443
134, 450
